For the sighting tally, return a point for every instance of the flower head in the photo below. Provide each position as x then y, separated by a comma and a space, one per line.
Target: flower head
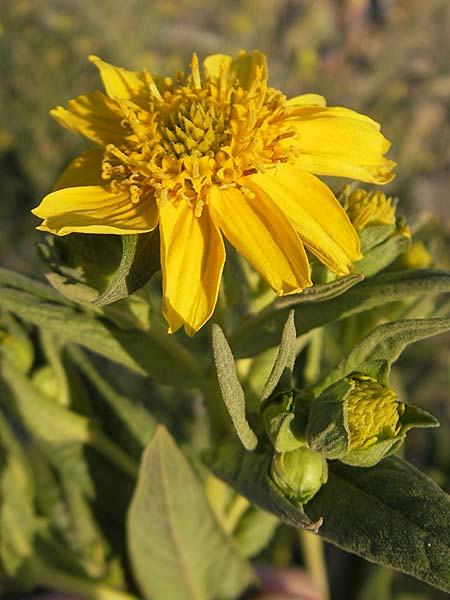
373, 412
212, 154
360, 421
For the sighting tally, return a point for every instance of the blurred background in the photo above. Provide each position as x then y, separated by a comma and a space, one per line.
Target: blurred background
386, 58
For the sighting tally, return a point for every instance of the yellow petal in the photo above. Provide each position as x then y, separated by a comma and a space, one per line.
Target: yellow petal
306, 100
94, 209
316, 111
319, 219
245, 66
93, 115
86, 169
343, 143
214, 63
192, 259
123, 84
263, 235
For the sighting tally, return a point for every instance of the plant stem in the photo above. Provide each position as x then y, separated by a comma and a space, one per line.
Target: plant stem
313, 555
313, 361
113, 453
236, 511
88, 590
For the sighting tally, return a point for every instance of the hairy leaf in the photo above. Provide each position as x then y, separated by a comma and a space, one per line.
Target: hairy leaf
135, 349
383, 345
391, 514
232, 392
176, 547
281, 373
334, 301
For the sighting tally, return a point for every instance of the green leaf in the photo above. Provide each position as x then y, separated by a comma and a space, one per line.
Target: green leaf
248, 473
176, 547
383, 345
318, 305
254, 531
133, 414
232, 392
391, 514
281, 374
140, 260
33, 286
18, 523
143, 352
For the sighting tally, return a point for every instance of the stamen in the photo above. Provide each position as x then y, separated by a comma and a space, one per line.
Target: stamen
152, 85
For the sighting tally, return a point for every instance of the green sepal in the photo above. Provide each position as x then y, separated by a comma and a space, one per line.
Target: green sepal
373, 236
280, 422
327, 430
382, 255
368, 457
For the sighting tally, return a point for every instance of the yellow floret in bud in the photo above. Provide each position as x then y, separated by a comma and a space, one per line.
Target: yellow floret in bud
373, 413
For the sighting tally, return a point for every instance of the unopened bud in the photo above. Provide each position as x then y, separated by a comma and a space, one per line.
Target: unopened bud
359, 421
299, 474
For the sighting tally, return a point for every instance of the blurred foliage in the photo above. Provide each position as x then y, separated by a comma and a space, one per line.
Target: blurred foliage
386, 58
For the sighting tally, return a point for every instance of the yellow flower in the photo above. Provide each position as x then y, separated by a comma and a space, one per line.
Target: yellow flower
213, 155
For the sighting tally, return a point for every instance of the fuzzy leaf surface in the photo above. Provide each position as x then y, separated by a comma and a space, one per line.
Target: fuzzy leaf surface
383, 345
132, 348
176, 547
391, 514
232, 392
334, 301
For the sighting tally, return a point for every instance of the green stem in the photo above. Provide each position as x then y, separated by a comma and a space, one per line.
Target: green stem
313, 555
114, 453
236, 511
88, 590
313, 361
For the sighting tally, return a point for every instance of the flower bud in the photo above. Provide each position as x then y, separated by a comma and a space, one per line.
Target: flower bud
359, 421
299, 474
369, 208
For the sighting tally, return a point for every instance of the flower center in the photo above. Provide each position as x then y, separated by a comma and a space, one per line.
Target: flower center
373, 412
196, 134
